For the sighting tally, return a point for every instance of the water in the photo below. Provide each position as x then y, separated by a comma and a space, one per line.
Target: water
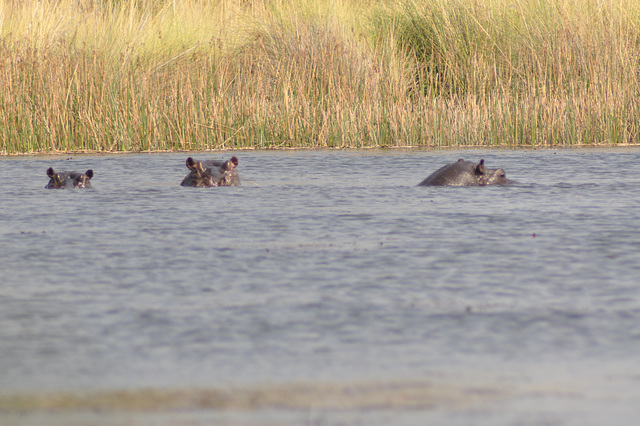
329, 270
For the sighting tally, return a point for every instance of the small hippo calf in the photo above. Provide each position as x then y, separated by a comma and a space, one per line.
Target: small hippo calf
466, 173
62, 180
212, 173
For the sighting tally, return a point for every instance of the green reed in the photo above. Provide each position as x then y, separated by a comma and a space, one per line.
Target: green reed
148, 75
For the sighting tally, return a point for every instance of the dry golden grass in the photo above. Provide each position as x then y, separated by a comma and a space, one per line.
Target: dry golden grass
146, 75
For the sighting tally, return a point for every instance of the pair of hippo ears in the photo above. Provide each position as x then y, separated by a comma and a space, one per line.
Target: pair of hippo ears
51, 173
197, 165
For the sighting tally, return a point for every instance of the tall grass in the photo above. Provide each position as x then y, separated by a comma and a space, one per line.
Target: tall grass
140, 75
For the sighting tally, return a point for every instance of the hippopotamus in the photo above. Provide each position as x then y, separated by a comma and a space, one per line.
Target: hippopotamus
62, 180
212, 173
466, 173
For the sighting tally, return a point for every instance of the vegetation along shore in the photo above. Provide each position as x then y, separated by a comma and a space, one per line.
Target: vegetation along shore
158, 75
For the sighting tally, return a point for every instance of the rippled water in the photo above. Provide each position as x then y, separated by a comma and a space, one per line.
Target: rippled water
327, 268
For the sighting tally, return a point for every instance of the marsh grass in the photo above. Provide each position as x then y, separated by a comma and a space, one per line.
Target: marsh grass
146, 75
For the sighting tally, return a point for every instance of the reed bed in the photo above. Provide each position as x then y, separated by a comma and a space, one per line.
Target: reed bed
156, 75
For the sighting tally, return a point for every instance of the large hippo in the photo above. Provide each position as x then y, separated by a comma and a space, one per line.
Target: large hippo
466, 173
212, 173
62, 180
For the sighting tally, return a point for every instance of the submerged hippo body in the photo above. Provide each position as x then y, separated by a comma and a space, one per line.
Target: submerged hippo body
212, 173
62, 180
466, 173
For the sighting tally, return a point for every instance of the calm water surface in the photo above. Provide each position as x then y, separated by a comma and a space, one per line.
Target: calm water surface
327, 268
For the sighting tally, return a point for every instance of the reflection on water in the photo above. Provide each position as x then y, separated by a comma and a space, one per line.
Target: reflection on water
328, 270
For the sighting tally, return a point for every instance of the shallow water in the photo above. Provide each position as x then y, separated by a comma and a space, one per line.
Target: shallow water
331, 268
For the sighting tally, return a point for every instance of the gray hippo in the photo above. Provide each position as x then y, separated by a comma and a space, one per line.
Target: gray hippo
466, 173
212, 173
62, 180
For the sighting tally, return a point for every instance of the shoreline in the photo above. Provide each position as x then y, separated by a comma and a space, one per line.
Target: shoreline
349, 149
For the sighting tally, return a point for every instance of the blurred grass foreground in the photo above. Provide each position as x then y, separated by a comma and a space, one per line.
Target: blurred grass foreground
164, 75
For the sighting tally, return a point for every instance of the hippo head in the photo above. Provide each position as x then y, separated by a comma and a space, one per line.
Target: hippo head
490, 176
62, 179
200, 175
466, 173
212, 173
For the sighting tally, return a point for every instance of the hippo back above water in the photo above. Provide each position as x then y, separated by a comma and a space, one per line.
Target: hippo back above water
62, 180
212, 173
466, 173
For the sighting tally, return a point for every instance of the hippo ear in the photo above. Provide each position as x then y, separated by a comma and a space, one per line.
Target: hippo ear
234, 160
89, 173
480, 168
190, 163
460, 159
50, 172
228, 165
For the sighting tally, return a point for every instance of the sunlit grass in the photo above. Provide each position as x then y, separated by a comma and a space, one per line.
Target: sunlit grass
126, 75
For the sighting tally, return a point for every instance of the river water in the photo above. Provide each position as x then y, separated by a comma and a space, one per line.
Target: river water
330, 283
